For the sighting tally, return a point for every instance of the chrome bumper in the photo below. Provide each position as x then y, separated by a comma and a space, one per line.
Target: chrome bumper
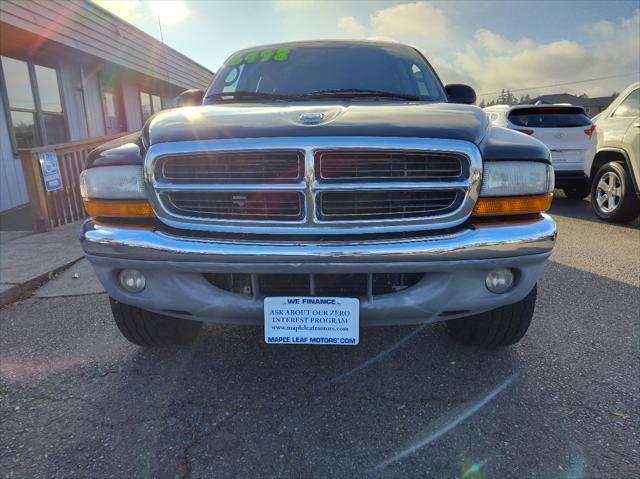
454, 267
486, 242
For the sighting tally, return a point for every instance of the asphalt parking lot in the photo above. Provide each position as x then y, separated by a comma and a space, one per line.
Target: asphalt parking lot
77, 400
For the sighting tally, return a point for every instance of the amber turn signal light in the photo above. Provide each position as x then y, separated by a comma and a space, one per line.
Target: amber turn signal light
512, 205
119, 208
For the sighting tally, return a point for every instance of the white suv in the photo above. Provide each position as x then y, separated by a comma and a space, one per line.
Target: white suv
565, 129
614, 172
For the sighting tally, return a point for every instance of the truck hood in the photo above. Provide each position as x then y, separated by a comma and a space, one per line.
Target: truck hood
242, 120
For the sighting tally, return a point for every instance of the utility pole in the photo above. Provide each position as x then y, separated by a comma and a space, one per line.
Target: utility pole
166, 72
160, 25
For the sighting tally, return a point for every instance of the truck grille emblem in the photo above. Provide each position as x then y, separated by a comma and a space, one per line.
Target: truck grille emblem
311, 118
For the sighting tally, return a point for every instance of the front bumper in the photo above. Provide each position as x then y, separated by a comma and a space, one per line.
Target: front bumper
455, 265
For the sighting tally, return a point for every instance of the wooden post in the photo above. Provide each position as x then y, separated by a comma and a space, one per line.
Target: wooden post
35, 188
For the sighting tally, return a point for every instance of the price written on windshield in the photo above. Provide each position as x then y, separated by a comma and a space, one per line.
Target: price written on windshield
263, 56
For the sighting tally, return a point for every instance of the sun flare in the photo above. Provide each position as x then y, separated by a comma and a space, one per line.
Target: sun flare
169, 11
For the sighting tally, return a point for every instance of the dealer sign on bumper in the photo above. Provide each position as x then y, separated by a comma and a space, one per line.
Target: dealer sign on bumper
311, 320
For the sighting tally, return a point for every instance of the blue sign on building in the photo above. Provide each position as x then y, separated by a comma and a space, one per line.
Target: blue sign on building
50, 170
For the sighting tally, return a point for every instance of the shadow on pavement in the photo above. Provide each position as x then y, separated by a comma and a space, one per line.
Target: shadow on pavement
231, 406
581, 209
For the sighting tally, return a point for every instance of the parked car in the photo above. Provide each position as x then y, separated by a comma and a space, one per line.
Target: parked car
614, 171
565, 129
317, 187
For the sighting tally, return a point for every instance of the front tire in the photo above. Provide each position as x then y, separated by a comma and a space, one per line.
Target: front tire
152, 330
499, 327
613, 197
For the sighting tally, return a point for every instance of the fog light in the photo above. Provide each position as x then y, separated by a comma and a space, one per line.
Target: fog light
132, 280
499, 280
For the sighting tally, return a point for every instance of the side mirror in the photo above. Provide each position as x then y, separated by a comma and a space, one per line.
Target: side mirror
191, 97
458, 93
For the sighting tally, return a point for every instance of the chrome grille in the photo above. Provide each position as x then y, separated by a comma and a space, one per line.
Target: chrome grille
246, 205
314, 185
391, 165
247, 167
369, 205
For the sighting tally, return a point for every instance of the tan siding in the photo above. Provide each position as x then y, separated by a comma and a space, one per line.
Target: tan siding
130, 40
74, 24
86, 29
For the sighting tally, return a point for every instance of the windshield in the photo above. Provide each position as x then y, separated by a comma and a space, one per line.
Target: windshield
393, 72
549, 117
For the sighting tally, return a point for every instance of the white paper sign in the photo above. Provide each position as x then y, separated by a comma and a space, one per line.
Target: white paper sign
311, 320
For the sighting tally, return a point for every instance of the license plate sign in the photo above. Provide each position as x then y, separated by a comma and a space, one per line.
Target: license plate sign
311, 320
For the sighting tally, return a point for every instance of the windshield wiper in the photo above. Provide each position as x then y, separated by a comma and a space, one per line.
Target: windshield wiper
358, 93
249, 95
334, 93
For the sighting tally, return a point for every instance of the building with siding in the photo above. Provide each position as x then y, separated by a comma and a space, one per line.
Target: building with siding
70, 70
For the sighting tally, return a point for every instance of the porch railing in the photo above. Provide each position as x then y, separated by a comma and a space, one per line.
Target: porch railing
56, 208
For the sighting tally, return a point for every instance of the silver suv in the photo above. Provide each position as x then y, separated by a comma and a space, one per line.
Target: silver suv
614, 171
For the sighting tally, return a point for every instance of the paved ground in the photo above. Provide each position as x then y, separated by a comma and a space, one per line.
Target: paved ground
77, 280
76, 400
27, 259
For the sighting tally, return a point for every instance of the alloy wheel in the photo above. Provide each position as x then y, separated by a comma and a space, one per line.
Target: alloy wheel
609, 192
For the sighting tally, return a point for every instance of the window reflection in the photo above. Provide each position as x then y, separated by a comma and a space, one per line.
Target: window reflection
630, 107
24, 128
145, 102
36, 115
16, 76
150, 104
48, 89
54, 126
156, 103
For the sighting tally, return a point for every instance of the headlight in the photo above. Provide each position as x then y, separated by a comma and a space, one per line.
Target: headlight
113, 183
514, 188
115, 192
516, 178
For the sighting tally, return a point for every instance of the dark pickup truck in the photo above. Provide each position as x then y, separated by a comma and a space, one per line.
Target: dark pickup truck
315, 188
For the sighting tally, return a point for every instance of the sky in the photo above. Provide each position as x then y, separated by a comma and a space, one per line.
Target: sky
489, 45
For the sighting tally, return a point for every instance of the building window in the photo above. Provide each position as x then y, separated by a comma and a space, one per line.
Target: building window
34, 104
51, 104
150, 104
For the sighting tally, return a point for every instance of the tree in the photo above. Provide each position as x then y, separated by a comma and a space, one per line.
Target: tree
482, 104
506, 97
